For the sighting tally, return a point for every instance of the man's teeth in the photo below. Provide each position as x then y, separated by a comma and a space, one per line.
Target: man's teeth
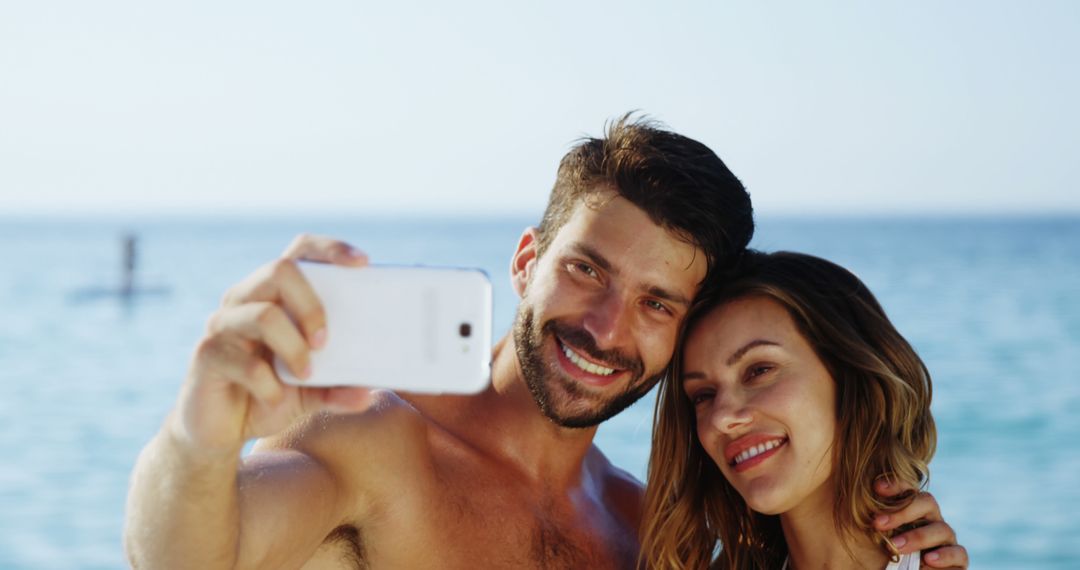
585, 364
757, 450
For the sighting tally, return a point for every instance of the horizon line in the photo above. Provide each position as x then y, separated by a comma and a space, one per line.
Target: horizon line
321, 215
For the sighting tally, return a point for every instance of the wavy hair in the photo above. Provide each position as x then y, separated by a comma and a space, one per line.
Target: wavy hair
884, 425
677, 181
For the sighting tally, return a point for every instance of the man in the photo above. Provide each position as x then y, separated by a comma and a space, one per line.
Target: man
507, 478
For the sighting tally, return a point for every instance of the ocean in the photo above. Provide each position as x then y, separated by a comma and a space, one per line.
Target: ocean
991, 304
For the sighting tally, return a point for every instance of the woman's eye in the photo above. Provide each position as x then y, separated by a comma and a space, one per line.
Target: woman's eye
700, 398
757, 370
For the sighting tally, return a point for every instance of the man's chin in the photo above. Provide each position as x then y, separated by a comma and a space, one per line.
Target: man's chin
576, 419
571, 404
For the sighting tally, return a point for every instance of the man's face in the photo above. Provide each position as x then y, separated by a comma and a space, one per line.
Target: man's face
600, 310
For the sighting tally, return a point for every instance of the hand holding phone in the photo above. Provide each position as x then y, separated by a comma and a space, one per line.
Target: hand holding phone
415, 329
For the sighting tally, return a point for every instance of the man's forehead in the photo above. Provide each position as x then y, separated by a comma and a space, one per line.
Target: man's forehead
607, 209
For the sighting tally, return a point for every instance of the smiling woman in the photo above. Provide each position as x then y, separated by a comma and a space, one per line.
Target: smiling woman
792, 391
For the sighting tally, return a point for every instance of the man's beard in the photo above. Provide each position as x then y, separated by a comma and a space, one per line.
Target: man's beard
580, 409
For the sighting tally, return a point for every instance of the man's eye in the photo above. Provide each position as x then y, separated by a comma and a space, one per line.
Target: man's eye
657, 306
584, 268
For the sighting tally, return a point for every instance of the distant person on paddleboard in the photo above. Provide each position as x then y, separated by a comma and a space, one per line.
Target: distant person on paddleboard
127, 280
126, 288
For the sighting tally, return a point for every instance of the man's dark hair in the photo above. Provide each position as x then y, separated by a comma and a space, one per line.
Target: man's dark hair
681, 184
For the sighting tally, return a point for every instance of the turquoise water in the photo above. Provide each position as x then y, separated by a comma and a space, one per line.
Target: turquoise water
992, 305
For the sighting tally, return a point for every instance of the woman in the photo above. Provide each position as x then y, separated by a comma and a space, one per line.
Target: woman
792, 391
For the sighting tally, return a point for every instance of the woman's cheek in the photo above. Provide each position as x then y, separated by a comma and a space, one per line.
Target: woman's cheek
707, 436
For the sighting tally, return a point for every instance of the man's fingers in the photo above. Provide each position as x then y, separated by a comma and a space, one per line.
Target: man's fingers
238, 362
925, 537
282, 282
302, 304
348, 398
946, 557
267, 324
337, 399
324, 249
936, 534
263, 383
886, 486
924, 507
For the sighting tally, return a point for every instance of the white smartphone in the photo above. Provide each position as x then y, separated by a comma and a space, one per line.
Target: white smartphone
416, 329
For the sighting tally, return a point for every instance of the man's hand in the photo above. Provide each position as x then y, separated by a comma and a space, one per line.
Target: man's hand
936, 539
231, 393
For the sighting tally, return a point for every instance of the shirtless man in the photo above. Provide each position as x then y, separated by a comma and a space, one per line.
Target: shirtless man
508, 478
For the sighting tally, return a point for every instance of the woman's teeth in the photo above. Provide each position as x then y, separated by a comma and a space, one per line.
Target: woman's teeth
585, 364
757, 450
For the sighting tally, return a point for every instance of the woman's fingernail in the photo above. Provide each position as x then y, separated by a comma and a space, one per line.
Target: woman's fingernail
881, 520
932, 557
898, 541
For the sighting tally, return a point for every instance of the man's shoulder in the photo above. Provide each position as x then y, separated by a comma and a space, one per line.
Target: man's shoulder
612, 474
621, 490
389, 429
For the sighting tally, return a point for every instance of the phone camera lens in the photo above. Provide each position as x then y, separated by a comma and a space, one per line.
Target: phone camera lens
465, 330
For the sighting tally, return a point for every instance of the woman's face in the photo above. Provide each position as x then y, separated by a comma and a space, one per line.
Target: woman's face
765, 404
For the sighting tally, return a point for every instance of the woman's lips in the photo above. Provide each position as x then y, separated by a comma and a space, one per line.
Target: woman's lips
752, 450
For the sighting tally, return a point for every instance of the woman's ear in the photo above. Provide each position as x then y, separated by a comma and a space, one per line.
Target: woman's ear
524, 261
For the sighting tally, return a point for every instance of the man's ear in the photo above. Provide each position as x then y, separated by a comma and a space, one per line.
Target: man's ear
523, 263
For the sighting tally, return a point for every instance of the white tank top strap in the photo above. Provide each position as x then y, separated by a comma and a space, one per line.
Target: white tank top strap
906, 562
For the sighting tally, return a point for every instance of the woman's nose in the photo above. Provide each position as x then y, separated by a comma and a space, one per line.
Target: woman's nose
729, 412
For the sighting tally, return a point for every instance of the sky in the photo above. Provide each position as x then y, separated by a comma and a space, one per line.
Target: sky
465, 108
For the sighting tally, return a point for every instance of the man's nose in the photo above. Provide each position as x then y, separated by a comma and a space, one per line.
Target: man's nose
608, 320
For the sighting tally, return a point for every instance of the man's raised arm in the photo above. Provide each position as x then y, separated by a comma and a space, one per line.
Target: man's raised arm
193, 503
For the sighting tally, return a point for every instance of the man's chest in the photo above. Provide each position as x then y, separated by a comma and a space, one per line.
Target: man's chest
484, 521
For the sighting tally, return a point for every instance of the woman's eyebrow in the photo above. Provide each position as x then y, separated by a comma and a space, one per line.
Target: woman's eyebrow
693, 375
735, 356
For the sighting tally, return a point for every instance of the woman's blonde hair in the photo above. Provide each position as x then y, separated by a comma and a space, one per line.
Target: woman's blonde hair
884, 426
